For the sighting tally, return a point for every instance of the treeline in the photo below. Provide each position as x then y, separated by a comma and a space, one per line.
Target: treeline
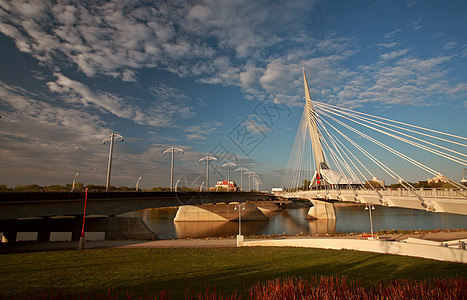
79, 186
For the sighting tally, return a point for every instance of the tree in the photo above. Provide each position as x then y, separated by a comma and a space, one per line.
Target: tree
306, 185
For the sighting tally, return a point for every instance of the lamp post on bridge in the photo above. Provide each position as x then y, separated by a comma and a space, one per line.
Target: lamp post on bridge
111, 137
172, 149
207, 158
228, 165
74, 181
241, 176
249, 173
137, 184
255, 180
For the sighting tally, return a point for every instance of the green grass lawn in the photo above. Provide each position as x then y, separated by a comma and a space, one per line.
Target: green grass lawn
142, 270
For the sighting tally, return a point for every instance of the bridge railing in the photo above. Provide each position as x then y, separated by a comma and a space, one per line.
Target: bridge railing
423, 192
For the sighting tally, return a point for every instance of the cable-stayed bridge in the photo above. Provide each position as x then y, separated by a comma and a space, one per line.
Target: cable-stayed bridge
338, 151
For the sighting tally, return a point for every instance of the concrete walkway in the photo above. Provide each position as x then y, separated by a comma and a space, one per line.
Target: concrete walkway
437, 246
426, 244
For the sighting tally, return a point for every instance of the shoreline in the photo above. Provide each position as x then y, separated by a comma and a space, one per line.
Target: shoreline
430, 235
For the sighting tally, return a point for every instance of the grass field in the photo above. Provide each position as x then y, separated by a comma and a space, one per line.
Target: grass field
140, 271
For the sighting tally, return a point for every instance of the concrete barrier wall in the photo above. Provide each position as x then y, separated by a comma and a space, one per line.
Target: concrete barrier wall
387, 247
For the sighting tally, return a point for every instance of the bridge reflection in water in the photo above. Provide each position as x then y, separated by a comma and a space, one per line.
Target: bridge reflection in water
292, 221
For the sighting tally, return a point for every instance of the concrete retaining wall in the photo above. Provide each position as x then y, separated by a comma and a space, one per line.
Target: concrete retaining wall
387, 247
218, 212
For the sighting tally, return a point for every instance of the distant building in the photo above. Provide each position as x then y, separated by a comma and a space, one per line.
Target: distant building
437, 179
224, 185
277, 190
380, 182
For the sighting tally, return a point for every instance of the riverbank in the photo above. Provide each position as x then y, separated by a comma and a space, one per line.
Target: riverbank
143, 271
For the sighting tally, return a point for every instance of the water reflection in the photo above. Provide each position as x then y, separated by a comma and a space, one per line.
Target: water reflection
292, 221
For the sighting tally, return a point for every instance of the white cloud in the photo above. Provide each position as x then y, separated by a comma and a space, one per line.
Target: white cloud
159, 115
395, 54
201, 131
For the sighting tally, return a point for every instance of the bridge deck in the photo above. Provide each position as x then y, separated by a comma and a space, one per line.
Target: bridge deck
49, 204
436, 200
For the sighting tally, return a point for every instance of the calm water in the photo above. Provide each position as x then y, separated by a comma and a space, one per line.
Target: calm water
292, 221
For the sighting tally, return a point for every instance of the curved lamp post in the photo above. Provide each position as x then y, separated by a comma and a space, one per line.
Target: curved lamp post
172, 149
176, 185
228, 165
207, 158
74, 181
201, 186
137, 183
111, 137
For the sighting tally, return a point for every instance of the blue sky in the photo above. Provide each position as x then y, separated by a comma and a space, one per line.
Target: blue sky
196, 74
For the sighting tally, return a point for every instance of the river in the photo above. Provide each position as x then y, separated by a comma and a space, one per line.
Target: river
291, 221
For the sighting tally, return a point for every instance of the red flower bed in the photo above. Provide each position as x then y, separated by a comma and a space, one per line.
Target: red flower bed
324, 287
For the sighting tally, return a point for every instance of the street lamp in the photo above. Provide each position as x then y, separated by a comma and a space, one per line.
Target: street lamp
176, 185
370, 207
239, 207
201, 186
137, 183
241, 176
172, 149
228, 165
207, 159
111, 137
249, 179
74, 181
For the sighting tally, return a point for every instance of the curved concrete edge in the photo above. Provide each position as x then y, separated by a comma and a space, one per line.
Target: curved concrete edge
386, 247
218, 212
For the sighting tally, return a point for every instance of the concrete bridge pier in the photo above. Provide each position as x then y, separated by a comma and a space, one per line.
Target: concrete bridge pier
9, 236
321, 211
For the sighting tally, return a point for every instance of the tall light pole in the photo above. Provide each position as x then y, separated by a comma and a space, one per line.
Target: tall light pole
249, 178
172, 149
176, 185
137, 183
111, 137
207, 158
228, 165
241, 176
240, 207
370, 207
74, 181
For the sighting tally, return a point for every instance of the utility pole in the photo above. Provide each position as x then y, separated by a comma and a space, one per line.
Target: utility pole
207, 159
172, 149
228, 165
111, 137
241, 176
